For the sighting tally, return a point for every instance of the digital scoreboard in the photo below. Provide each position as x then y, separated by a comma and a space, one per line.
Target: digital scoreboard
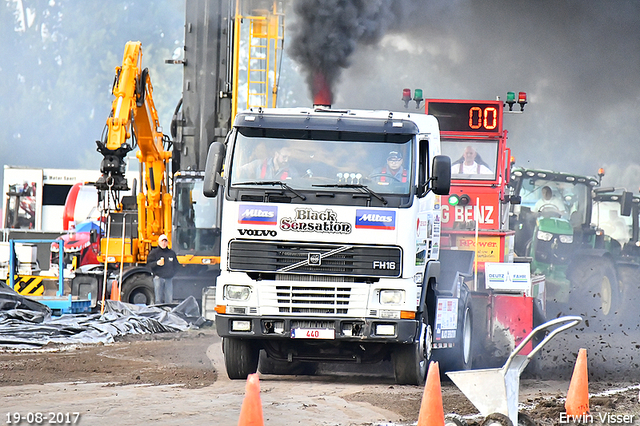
462, 116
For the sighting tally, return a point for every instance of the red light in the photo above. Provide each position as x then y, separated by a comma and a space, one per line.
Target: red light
406, 97
522, 97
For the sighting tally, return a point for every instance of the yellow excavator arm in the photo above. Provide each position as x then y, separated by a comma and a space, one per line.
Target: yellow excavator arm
134, 121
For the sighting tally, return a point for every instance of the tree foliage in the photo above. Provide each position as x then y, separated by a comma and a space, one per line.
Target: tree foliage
59, 58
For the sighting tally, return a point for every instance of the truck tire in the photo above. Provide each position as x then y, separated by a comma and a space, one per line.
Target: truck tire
464, 353
411, 362
138, 290
267, 365
461, 356
240, 357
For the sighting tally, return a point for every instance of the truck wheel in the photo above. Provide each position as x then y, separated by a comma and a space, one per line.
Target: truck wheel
464, 353
267, 365
240, 357
138, 289
410, 362
496, 419
460, 357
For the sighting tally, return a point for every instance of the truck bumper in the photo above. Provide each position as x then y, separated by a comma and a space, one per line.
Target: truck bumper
373, 330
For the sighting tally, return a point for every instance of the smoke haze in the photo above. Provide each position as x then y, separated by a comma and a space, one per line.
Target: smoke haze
578, 61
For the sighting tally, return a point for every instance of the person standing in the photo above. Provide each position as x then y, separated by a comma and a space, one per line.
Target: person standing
163, 262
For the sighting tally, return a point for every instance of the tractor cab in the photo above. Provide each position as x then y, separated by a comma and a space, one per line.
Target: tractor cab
616, 213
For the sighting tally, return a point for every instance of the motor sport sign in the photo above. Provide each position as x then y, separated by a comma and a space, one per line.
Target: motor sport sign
483, 208
485, 215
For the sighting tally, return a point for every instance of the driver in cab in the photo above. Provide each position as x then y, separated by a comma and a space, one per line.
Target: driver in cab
393, 171
275, 167
548, 202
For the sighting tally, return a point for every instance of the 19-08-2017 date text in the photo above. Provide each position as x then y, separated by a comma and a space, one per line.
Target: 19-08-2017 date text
39, 418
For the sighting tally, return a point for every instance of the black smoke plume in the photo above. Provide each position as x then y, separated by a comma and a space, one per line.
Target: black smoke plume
327, 32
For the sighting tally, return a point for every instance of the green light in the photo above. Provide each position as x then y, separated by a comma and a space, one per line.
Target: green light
454, 200
417, 94
511, 97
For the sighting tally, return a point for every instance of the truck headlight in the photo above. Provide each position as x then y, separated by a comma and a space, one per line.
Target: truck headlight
544, 236
237, 292
391, 297
566, 239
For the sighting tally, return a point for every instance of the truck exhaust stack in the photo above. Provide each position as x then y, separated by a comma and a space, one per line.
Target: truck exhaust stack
322, 96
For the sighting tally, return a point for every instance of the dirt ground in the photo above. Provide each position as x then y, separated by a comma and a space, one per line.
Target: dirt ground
179, 378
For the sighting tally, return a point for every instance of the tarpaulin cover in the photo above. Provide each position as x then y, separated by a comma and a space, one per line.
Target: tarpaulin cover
25, 323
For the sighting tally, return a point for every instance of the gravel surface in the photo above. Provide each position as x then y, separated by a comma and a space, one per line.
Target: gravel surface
179, 378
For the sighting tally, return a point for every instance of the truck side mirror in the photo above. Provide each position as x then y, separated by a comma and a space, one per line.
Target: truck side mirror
213, 168
626, 203
441, 175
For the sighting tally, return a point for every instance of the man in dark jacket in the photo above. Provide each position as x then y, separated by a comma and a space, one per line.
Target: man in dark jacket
164, 265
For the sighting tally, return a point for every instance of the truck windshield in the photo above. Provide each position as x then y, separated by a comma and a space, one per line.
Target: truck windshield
471, 159
317, 160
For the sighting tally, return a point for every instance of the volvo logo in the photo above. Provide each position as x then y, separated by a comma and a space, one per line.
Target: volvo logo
258, 232
314, 259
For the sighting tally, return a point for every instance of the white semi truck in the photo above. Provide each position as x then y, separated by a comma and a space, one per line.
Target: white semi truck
328, 252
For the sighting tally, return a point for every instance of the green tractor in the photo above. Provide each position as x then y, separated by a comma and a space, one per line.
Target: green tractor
617, 213
554, 228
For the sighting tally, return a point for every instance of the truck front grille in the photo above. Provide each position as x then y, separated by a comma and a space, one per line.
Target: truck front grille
314, 259
312, 300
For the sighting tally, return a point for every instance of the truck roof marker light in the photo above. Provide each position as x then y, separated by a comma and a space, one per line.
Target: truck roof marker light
406, 97
417, 96
511, 100
522, 100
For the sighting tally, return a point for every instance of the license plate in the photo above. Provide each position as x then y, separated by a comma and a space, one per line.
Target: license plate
313, 333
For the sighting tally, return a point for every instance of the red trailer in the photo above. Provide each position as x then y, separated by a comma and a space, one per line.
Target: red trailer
507, 302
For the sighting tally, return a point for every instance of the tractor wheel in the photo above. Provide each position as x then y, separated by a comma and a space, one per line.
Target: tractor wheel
138, 290
598, 295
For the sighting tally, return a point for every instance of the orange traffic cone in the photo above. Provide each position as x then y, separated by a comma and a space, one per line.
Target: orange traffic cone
251, 411
115, 291
577, 403
431, 410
